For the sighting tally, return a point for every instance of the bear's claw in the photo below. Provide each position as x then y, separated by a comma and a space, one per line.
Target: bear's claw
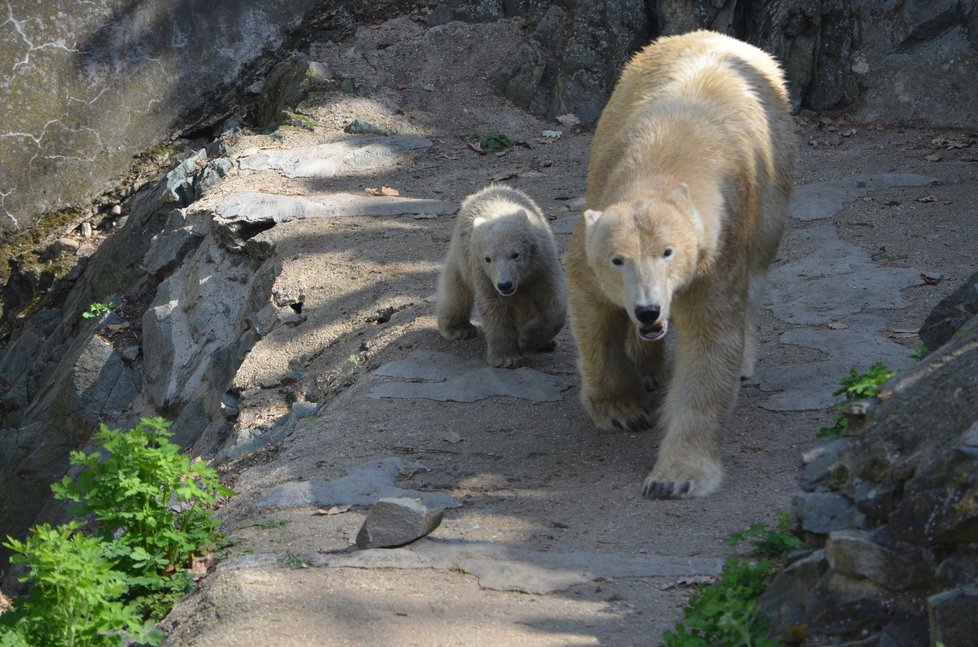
640, 422
658, 490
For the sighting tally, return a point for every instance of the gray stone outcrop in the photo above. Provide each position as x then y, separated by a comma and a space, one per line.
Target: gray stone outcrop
169, 346
889, 511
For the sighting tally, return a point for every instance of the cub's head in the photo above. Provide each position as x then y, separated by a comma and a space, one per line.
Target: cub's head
643, 253
503, 247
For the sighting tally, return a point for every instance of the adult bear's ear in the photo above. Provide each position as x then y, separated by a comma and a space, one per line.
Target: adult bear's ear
681, 194
478, 222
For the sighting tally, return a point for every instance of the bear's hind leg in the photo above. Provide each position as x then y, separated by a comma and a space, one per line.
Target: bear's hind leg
611, 388
454, 306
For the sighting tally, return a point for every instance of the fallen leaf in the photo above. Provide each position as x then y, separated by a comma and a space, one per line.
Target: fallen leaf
382, 191
891, 202
849, 133
835, 325
476, 147
552, 134
449, 156
931, 278
452, 437
503, 178
199, 565
926, 198
333, 511
569, 120
934, 157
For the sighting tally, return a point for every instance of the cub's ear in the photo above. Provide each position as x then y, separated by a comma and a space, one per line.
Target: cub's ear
591, 218
680, 194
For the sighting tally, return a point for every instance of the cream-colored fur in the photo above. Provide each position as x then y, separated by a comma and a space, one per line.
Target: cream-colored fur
503, 259
690, 174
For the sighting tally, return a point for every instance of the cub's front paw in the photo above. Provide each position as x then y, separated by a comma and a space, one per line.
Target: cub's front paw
506, 361
683, 481
459, 332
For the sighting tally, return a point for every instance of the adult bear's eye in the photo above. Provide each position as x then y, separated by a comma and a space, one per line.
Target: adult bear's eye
516, 255
488, 260
667, 252
617, 261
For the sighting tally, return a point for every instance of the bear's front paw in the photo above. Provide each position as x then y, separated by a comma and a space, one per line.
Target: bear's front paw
683, 481
624, 417
506, 361
459, 332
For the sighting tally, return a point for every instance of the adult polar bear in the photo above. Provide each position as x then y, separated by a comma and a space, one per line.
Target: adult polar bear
688, 182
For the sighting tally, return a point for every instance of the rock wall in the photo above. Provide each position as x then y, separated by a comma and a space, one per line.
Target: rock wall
901, 63
890, 511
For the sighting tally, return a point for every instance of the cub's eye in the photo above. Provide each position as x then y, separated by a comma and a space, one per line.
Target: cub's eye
488, 260
617, 261
516, 255
667, 252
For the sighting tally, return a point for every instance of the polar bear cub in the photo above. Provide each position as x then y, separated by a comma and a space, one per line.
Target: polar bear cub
690, 173
503, 260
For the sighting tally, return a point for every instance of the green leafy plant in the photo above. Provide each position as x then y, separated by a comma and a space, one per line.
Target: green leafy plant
491, 141
919, 353
856, 386
725, 613
770, 543
99, 308
77, 597
152, 499
357, 359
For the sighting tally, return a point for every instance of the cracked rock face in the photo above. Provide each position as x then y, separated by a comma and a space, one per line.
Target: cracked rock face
89, 85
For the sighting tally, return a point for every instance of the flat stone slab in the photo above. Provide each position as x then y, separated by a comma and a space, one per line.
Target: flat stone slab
363, 485
809, 386
253, 206
824, 199
834, 280
445, 377
504, 567
357, 154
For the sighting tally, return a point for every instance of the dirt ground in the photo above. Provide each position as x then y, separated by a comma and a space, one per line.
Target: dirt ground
535, 476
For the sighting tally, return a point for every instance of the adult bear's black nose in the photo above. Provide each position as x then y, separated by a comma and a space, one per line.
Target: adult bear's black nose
647, 314
505, 287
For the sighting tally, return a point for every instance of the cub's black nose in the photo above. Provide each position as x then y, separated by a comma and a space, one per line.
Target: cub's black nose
505, 286
647, 314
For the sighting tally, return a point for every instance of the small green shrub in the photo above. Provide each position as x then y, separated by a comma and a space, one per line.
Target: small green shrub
725, 613
99, 308
149, 509
856, 386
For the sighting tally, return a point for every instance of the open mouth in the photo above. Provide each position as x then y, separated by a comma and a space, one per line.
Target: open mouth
507, 293
653, 332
